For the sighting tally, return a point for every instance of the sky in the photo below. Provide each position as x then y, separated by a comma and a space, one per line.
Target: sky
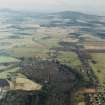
87, 6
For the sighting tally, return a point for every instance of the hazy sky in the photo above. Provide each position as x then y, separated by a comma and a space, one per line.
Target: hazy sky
88, 6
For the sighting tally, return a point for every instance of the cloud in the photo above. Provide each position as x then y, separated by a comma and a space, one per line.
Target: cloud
56, 5
28, 2
48, 3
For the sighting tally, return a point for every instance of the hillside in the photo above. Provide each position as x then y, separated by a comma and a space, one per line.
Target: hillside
56, 50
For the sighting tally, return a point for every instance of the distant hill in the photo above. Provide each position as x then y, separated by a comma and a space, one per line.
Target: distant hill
64, 18
65, 14
72, 15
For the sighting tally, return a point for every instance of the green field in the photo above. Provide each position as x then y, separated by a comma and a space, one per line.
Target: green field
8, 69
7, 59
99, 66
70, 58
6, 73
30, 46
37, 44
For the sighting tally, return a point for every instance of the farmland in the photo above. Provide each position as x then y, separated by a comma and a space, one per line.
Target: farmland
50, 49
70, 58
8, 65
99, 66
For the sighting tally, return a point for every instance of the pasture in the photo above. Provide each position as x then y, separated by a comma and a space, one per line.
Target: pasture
99, 66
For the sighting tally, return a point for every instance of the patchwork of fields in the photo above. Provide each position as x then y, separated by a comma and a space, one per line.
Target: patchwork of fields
30, 39
72, 40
